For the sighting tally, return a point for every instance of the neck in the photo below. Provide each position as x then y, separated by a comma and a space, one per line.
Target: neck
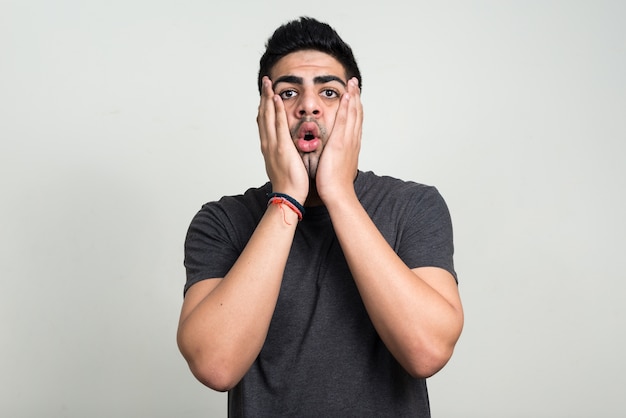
313, 198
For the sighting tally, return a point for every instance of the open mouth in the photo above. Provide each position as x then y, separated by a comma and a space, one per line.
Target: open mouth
308, 131
308, 139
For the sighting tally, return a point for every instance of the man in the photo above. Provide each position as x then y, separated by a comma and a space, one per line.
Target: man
327, 292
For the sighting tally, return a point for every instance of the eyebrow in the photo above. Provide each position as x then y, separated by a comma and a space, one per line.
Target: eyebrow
320, 79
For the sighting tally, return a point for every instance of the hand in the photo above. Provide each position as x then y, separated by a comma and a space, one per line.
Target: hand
339, 162
283, 164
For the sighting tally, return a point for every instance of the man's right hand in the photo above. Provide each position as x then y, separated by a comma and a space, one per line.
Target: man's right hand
283, 163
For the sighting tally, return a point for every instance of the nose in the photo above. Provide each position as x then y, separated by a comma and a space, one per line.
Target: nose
309, 104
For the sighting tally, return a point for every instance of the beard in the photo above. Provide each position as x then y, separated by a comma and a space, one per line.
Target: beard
310, 160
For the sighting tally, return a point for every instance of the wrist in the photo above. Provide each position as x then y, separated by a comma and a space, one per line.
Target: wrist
297, 197
287, 217
337, 188
284, 200
336, 206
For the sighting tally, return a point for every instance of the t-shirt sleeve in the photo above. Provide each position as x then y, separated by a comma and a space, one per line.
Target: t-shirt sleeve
426, 239
211, 245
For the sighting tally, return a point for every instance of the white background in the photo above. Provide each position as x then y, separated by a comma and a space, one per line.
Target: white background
118, 119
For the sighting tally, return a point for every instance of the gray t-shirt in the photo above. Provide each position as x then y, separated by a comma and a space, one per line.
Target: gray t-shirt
322, 356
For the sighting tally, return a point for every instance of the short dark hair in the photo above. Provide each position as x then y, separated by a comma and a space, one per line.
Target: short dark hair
302, 34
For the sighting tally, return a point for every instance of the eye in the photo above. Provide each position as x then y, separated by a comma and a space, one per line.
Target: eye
329, 93
287, 94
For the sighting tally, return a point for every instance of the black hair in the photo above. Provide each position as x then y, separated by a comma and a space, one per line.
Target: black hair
302, 34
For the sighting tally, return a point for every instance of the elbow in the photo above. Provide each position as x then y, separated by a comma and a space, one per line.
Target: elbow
425, 358
425, 365
210, 369
220, 379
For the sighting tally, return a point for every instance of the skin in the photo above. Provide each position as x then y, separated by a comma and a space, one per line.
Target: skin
224, 321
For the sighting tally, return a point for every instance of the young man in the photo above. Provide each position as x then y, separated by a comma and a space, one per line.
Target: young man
328, 291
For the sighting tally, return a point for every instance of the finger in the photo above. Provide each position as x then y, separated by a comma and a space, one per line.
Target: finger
341, 117
265, 89
355, 113
266, 107
282, 126
266, 118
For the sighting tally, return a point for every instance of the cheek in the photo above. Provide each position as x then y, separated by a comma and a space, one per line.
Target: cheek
329, 122
294, 125
290, 112
330, 114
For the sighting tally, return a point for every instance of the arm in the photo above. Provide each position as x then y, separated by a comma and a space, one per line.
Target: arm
224, 321
418, 314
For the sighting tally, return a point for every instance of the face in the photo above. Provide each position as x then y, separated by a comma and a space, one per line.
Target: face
311, 84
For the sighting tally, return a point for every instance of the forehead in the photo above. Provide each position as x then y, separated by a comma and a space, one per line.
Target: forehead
307, 63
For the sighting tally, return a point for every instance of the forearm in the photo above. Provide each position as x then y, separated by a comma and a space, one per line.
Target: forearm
418, 323
222, 332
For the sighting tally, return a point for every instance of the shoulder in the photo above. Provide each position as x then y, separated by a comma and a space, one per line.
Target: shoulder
413, 217
233, 216
251, 203
387, 190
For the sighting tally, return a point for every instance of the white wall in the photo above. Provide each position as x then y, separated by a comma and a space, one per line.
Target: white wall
118, 119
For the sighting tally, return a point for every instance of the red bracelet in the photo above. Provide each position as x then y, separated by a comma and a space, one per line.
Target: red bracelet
279, 200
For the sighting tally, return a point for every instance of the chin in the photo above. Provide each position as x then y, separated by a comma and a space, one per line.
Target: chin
310, 164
